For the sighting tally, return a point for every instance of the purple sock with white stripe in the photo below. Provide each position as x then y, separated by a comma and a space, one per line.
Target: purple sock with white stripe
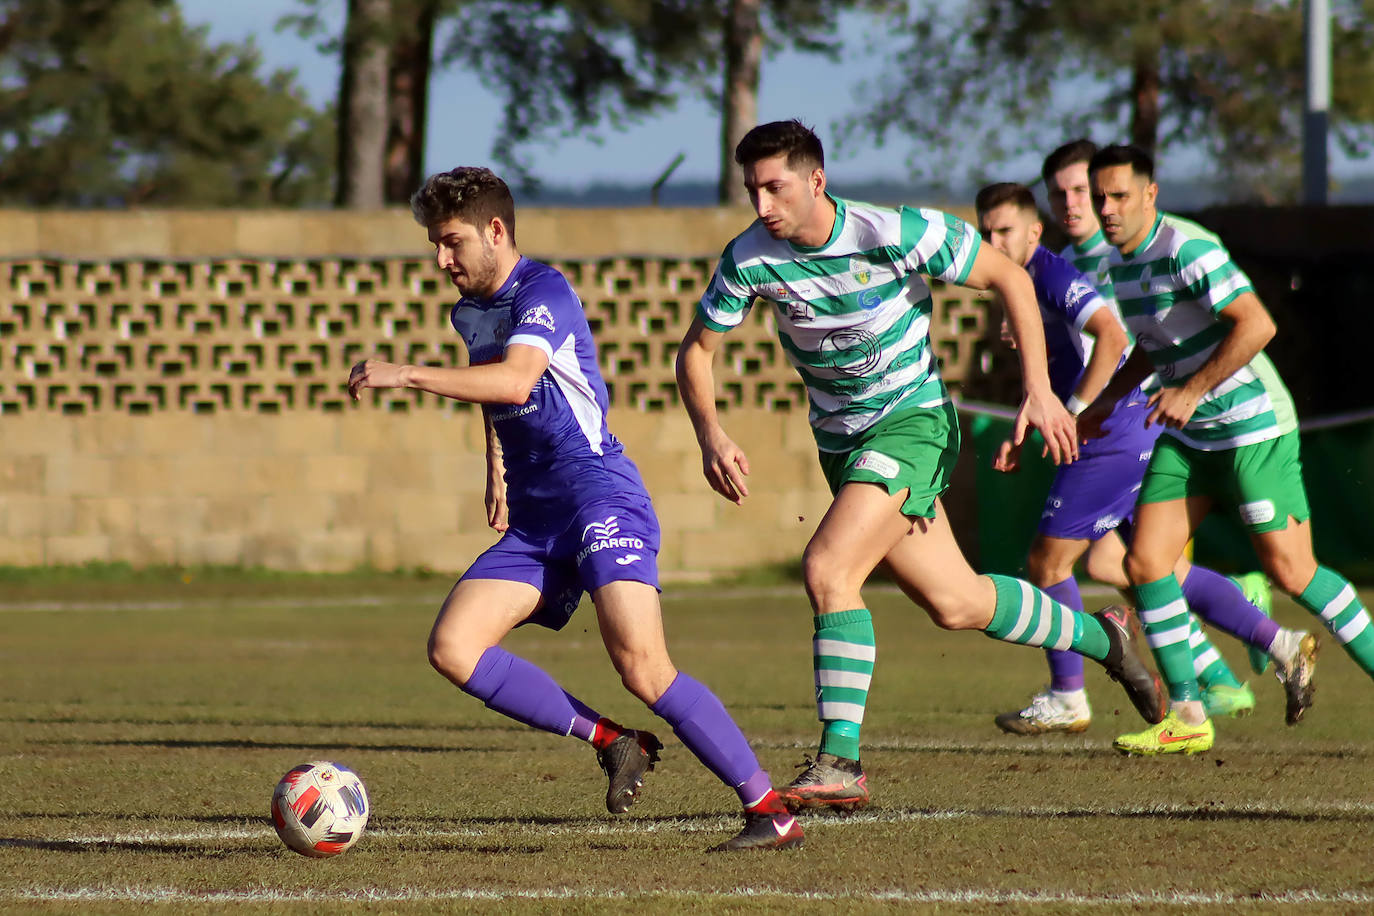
1219, 601
526, 693
700, 721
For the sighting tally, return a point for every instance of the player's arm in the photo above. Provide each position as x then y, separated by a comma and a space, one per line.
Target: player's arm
509, 381
498, 515
723, 462
1251, 328
1135, 370
1109, 342
1039, 407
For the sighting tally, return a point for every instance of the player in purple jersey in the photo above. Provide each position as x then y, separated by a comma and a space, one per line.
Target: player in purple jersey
575, 513
1090, 499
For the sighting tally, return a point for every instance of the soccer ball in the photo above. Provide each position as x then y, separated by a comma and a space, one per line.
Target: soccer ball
319, 808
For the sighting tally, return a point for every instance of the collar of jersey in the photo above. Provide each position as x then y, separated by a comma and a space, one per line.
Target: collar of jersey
1149, 238
1088, 244
834, 232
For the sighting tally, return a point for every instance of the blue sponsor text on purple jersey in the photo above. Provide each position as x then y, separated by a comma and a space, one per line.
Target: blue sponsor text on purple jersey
557, 448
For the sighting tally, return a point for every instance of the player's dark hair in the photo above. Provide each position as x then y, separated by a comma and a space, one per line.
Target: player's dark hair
993, 196
474, 195
1080, 150
1141, 162
793, 138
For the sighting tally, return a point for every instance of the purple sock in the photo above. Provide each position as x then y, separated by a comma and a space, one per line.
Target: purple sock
524, 692
1066, 668
1220, 602
701, 722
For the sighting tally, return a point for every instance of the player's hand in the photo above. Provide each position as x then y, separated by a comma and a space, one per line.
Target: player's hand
1090, 422
1173, 407
498, 511
1043, 411
374, 373
1008, 459
725, 466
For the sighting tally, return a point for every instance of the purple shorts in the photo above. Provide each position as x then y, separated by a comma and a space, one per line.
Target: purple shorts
607, 540
1097, 492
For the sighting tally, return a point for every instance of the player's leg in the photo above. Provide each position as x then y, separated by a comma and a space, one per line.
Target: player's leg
1063, 705
632, 628
932, 571
1164, 520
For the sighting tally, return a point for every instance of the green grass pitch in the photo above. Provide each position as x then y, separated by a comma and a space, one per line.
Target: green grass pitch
144, 723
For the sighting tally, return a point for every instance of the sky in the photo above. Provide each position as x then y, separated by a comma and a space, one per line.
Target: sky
463, 113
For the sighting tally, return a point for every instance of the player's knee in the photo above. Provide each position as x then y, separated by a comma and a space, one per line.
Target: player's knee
1044, 571
1291, 574
1141, 568
645, 675
957, 612
451, 658
826, 582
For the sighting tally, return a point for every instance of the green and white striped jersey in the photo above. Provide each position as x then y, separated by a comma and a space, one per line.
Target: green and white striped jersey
853, 315
1171, 290
1090, 259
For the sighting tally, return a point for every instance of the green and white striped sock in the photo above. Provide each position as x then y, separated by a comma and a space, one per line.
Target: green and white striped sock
1164, 618
1208, 665
1027, 616
843, 653
1331, 597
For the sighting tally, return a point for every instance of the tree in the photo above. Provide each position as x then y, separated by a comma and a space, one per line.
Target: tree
363, 105
1006, 76
566, 67
119, 103
412, 48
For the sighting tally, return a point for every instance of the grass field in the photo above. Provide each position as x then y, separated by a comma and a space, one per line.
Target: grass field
144, 722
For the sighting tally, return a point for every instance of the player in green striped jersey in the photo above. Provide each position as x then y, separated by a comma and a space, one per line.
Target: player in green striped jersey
846, 285
1229, 440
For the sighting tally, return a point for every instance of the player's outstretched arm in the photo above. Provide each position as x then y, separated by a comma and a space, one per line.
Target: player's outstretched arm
1251, 328
723, 462
1039, 407
506, 382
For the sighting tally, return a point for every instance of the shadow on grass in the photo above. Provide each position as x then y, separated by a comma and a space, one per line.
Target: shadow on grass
312, 746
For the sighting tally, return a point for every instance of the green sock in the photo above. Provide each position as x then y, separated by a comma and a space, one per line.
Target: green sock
842, 653
1331, 596
1165, 620
1027, 616
1209, 667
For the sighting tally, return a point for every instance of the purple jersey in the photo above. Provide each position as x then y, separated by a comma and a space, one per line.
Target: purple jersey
1067, 300
557, 450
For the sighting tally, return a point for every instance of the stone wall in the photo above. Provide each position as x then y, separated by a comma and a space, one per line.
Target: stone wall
172, 390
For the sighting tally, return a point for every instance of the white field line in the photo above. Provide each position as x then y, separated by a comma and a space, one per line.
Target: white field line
1174, 899
597, 827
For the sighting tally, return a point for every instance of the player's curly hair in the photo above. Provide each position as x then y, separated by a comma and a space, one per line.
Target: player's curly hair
470, 193
795, 139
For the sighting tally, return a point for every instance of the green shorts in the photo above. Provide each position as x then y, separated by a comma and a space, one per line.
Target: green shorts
1263, 481
913, 450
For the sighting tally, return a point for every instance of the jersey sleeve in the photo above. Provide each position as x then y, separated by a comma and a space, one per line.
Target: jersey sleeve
543, 315
1208, 275
729, 296
1073, 295
938, 244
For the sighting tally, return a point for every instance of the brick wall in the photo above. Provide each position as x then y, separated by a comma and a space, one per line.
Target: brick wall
172, 390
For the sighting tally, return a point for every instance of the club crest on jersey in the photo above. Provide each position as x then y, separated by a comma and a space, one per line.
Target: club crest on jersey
539, 315
861, 268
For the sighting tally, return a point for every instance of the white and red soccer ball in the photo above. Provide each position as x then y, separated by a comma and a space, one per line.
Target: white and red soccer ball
319, 808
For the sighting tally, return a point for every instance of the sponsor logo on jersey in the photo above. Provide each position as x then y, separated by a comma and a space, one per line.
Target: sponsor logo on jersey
880, 464
1258, 513
797, 311
627, 559
861, 268
539, 315
1077, 293
606, 536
